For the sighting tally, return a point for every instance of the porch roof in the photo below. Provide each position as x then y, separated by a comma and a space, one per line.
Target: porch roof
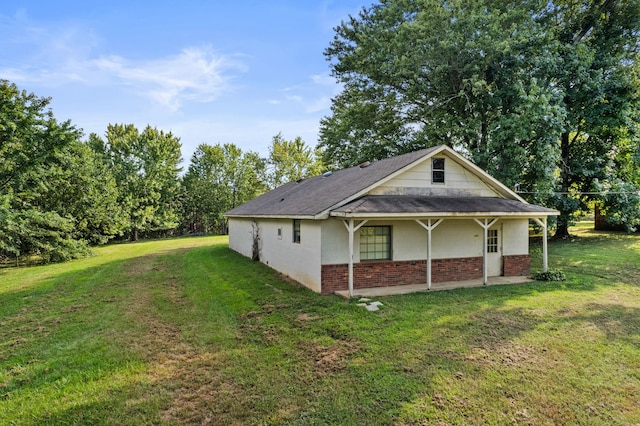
413, 206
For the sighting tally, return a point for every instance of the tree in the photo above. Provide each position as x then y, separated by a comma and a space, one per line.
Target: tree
219, 178
145, 166
527, 90
291, 160
33, 147
597, 44
422, 73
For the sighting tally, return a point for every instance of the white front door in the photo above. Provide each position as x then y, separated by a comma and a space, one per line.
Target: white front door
494, 251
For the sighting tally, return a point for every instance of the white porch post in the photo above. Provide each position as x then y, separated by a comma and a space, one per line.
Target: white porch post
429, 227
543, 224
485, 228
351, 229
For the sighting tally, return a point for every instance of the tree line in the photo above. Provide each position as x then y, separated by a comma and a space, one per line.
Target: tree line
543, 94
61, 194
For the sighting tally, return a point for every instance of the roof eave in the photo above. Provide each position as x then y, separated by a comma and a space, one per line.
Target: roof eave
411, 215
272, 216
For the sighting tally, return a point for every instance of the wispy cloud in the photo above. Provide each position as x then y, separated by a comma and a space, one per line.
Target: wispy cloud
314, 95
196, 74
57, 55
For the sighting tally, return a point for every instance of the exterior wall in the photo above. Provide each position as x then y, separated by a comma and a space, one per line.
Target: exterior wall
417, 181
240, 236
517, 265
457, 253
515, 237
300, 261
392, 273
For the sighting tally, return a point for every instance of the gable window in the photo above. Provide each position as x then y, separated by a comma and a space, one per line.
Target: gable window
296, 231
437, 170
375, 243
492, 241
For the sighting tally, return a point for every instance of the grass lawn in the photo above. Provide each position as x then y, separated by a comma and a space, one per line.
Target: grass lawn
184, 331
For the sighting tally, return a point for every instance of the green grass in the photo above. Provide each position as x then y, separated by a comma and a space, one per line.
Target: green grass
184, 331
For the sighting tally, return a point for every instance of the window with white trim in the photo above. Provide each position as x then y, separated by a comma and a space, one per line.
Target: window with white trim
375, 243
492, 241
296, 231
437, 170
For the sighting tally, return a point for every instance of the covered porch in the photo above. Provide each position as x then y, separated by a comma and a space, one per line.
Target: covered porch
429, 213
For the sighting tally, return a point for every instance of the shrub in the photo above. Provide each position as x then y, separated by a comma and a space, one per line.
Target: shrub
550, 276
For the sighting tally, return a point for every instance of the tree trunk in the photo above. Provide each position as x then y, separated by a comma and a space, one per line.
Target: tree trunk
562, 230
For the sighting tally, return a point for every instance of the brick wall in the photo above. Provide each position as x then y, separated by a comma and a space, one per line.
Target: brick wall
386, 273
516, 265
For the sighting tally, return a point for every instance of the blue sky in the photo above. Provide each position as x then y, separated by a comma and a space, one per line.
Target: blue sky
209, 71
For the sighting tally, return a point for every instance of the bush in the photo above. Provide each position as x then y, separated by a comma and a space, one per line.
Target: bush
550, 276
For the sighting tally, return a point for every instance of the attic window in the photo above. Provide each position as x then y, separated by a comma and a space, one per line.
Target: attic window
437, 170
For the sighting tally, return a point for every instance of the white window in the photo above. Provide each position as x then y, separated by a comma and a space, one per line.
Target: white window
437, 170
375, 242
492, 241
296, 231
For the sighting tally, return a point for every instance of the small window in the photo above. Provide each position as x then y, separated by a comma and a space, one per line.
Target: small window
492, 241
375, 242
296, 231
437, 170
279, 233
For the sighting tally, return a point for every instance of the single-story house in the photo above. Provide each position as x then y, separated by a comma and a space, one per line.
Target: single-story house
426, 217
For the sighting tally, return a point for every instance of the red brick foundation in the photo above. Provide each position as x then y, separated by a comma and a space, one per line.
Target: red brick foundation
390, 273
518, 265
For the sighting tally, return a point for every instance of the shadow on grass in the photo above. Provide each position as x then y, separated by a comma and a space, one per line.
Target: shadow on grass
215, 336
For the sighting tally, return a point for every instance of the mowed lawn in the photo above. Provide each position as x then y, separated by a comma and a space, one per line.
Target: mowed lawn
184, 331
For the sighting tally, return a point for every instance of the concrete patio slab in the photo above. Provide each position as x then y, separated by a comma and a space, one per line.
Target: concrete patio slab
449, 285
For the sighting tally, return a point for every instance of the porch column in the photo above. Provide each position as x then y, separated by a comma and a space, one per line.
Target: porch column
351, 229
543, 223
429, 227
485, 228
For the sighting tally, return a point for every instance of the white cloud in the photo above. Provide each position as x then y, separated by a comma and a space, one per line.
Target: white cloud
196, 75
65, 53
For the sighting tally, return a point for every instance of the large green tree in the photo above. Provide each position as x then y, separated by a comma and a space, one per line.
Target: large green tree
596, 73
146, 169
219, 178
291, 160
505, 82
54, 199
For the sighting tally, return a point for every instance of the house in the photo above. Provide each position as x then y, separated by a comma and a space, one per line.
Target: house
426, 217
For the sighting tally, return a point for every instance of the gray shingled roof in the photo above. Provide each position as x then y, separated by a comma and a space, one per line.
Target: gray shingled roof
398, 204
315, 195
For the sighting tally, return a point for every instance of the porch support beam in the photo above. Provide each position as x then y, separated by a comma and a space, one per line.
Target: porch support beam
429, 226
351, 228
543, 223
485, 224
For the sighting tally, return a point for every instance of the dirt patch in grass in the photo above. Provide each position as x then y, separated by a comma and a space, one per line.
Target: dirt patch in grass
187, 375
328, 359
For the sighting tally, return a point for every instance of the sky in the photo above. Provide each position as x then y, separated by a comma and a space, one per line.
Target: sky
209, 71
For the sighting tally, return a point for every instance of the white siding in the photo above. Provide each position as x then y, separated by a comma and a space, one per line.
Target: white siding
240, 236
515, 237
335, 242
300, 261
458, 182
453, 238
